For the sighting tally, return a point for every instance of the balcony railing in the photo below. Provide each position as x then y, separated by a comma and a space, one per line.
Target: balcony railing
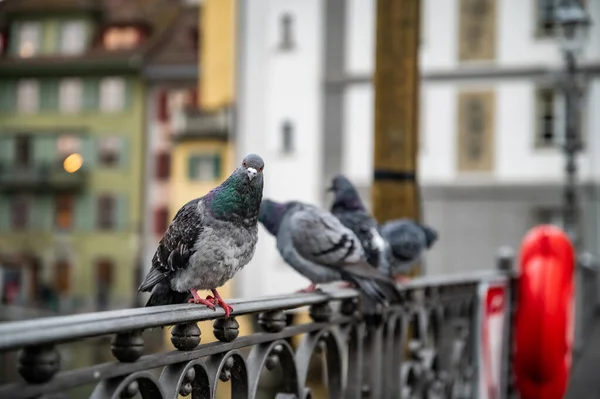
425, 346
40, 178
192, 124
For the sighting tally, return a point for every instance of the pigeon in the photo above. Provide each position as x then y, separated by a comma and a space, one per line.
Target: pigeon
407, 240
394, 247
210, 239
317, 245
350, 210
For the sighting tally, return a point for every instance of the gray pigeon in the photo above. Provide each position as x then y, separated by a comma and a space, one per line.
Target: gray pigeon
350, 210
209, 240
318, 246
407, 240
396, 247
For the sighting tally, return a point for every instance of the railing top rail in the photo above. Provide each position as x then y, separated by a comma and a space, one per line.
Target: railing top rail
39, 331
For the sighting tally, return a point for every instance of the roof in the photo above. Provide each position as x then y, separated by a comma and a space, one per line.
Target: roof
156, 17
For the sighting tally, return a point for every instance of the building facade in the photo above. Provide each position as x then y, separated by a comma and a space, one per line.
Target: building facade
71, 138
491, 118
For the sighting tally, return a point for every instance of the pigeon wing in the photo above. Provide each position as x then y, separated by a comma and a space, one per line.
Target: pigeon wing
175, 248
320, 237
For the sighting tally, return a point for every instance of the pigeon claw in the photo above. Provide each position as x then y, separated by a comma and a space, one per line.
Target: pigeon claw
200, 301
310, 288
218, 301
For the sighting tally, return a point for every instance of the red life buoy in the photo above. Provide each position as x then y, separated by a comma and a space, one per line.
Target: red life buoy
544, 317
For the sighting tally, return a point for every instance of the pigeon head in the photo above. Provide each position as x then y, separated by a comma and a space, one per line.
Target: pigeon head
345, 195
272, 213
252, 167
431, 236
240, 195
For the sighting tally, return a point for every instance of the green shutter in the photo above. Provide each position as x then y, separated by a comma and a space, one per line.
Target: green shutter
8, 96
217, 161
7, 150
91, 93
42, 213
124, 154
192, 167
50, 40
4, 213
48, 95
85, 212
44, 148
14, 38
88, 151
122, 221
129, 87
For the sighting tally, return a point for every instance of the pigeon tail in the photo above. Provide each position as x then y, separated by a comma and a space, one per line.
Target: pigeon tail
162, 294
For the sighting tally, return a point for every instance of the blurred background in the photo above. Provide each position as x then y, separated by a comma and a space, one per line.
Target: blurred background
114, 113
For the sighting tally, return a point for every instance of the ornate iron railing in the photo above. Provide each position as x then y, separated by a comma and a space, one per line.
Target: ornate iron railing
426, 347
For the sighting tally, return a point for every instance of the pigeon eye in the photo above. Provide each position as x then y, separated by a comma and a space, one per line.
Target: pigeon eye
244, 164
260, 170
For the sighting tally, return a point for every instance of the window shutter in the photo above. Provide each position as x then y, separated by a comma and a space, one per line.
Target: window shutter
193, 94
4, 213
44, 149
122, 212
191, 167
7, 150
48, 95
14, 38
162, 111
85, 212
88, 151
124, 152
91, 93
163, 165
42, 212
217, 163
128, 88
8, 96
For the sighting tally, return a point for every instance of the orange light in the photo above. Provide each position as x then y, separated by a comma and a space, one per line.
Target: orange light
73, 163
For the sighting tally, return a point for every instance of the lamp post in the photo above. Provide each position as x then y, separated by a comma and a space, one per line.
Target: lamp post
573, 23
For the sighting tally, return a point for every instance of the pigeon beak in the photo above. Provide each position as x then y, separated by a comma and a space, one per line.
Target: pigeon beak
251, 172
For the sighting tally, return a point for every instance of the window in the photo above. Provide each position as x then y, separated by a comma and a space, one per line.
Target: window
29, 39
121, 38
286, 25
70, 95
287, 137
162, 110
62, 276
28, 96
546, 130
19, 210
163, 165
477, 30
109, 151
161, 220
64, 211
475, 131
72, 38
103, 282
204, 167
67, 145
112, 94
23, 151
107, 210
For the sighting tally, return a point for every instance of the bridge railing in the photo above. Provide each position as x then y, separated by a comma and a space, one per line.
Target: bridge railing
425, 346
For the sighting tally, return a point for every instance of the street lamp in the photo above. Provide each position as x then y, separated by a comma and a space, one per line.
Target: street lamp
572, 22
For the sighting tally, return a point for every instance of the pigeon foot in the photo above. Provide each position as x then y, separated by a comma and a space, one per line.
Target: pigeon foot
217, 300
310, 288
197, 300
403, 279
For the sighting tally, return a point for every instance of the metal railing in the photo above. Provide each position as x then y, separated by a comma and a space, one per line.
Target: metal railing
425, 346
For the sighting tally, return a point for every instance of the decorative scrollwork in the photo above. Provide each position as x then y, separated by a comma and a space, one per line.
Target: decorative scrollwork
262, 354
184, 379
229, 366
142, 382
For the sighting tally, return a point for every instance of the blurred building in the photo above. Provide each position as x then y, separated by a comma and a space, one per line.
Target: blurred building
72, 102
491, 126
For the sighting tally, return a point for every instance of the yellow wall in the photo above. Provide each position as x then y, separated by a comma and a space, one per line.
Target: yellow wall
217, 53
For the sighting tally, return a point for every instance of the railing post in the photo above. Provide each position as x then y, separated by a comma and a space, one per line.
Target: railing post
586, 275
505, 263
